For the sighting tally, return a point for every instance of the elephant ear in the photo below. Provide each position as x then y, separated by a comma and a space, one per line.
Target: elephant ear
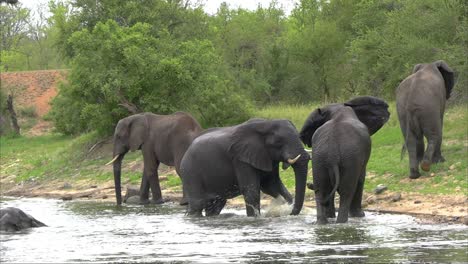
371, 111
248, 145
137, 129
417, 67
315, 120
447, 73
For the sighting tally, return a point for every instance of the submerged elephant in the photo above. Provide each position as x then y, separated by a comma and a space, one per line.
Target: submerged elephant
161, 138
339, 135
223, 163
420, 101
14, 219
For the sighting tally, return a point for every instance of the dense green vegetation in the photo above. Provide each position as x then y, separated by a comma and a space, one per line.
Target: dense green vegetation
64, 158
161, 56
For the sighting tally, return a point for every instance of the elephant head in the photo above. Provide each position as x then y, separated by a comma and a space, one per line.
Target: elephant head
444, 69
130, 134
371, 111
262, 143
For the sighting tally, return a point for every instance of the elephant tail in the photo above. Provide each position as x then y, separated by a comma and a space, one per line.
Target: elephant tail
404, 148
336, 171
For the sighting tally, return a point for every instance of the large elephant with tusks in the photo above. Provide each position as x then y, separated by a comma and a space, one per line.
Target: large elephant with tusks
162, 139
223, 163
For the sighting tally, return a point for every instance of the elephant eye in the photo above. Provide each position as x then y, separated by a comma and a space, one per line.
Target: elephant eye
274, 141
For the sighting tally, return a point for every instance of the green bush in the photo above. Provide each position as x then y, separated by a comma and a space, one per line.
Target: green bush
117, 66
28, 111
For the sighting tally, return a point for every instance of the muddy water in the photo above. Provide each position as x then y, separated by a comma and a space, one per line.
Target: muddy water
100, 232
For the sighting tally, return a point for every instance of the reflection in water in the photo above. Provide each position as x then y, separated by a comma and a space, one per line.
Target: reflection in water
102, 232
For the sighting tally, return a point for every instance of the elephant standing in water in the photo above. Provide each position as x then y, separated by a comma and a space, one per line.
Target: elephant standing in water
420, 101
223, 163
161, 138
14, 219
339, 135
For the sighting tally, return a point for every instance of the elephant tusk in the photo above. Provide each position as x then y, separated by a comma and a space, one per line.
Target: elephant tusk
112, 161
292, 161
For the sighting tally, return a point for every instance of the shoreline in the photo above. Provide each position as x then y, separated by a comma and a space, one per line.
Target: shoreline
449, 209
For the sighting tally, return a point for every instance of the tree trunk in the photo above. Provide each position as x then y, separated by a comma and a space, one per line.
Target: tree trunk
14, 120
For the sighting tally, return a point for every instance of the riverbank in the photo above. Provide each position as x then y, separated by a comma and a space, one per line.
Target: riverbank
427, 208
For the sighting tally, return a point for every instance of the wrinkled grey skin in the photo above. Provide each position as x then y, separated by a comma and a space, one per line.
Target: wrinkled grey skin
14, 219
223, 163
162, 139
420, 101
339, 135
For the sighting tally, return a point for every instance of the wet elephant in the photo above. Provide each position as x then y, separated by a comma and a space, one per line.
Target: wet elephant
161, 138
223, 163
14, 219
339, 135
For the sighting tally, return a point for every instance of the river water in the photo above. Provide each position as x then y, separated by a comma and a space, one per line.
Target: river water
86, 231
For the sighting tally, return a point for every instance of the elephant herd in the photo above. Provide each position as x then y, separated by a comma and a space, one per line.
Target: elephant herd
221, 163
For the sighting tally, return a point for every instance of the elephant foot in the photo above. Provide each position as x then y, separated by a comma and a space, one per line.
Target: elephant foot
330, 213
358, 213
425, 165
158, 201
144, 202
322, 221
183, 202
414, 174
438, 159
341, 219
310, 186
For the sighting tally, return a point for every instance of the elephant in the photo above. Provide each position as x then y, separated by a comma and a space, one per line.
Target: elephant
339, 135
162, 139
420, 103
14, 219
223, 163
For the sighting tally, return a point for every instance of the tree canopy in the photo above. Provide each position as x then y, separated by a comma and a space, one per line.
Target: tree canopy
168, 55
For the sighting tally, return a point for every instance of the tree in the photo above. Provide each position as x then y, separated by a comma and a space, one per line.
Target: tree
119, 68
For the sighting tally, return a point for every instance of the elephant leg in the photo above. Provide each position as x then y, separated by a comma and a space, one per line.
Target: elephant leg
433, 131
420, 149
155, 187
195, 207
411, 143
144, 190
150, 172
437, 158
437, 152
215, 206
184, 200
323, 188
251, 194
330, 210
343, 211
356, 203
274, 187
348, 187
249, 185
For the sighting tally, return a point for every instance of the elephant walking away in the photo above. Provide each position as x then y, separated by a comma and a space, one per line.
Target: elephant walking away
339, 135
420, 102
14, 219
162, 139
223, 163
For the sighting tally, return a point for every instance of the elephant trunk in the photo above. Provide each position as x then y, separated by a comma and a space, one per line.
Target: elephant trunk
300, 171
117, 172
